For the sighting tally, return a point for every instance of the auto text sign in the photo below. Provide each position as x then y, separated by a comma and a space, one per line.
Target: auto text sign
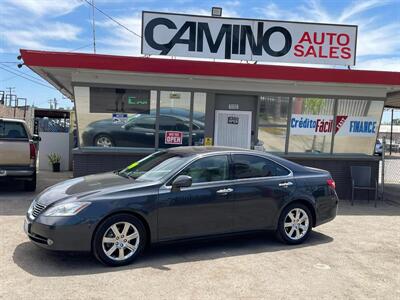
174, 137
323, 125
248, 39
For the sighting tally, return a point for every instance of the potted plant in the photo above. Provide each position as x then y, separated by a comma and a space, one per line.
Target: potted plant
55, 159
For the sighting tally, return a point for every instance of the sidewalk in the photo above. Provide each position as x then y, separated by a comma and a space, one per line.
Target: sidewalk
392, 193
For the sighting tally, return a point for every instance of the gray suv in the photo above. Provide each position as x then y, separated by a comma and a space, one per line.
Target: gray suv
18, 153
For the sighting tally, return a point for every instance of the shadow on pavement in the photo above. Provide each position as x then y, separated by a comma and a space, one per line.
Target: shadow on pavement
44, 263
365, 208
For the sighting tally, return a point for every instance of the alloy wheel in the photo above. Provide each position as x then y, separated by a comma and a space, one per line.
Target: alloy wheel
120, 241
103, 141
296, 224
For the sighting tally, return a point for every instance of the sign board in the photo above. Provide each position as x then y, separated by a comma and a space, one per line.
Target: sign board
233, 106
208, 141
119, 119
233, 120
173, 137
248, 39
118, 100
323, 125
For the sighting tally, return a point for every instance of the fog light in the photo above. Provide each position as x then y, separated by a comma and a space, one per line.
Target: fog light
49, 242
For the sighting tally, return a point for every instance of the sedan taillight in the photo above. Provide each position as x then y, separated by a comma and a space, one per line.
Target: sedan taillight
32, 150
331, 183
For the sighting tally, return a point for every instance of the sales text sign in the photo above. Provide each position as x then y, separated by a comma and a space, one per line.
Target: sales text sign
246, 39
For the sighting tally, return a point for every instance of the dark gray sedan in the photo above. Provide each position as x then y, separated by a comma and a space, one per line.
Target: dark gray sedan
181, 193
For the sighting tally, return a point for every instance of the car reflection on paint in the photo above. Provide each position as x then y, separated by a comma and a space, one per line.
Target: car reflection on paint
139, 131
180, 193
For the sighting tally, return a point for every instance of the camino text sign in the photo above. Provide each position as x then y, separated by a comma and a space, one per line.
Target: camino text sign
248, 39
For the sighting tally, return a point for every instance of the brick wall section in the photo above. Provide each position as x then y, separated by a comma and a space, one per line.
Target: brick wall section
8, 112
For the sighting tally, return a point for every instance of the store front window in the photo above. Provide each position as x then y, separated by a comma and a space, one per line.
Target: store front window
116, 117
361, 119
272, 123
311, 125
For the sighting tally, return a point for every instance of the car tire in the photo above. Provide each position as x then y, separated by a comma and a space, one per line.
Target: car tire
294, 229
30, 185
112, 248
103, 140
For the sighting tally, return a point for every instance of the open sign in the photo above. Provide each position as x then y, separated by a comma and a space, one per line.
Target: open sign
174, 137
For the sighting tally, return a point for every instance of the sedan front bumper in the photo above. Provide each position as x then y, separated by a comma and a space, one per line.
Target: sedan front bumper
58, 233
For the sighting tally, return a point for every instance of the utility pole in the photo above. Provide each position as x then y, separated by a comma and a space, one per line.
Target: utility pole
10, 91
94, 29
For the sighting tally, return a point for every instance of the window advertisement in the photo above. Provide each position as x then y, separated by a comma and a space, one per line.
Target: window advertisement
311, 125
116, 117
174, 121
357, 126
272, 123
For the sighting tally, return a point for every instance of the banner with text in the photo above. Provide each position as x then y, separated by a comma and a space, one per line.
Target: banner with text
323, 125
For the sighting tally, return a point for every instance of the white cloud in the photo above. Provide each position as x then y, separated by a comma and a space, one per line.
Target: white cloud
46, 7
359, 7
381, 64
38, 36
373, 38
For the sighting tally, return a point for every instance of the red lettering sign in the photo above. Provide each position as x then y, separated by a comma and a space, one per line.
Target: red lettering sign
173, 137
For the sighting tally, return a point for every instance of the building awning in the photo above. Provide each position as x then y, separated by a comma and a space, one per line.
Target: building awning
52, 65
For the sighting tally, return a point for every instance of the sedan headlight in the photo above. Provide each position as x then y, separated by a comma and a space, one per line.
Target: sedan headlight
30, 209
66, 209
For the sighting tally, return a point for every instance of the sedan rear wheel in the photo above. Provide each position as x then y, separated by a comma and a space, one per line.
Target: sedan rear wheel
119, 240
103, 141
294, 224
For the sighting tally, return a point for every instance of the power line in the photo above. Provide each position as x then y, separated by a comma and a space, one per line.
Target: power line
45, 85
76, 49
111, 18
23, 73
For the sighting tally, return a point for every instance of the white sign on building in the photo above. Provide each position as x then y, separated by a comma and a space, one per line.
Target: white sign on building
248, 39
323, 125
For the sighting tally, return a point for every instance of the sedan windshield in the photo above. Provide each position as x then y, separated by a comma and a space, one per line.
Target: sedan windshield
154, 167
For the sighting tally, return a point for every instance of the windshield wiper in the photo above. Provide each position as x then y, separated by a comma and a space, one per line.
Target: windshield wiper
122, 174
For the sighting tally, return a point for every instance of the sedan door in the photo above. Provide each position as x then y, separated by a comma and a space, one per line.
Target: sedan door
139, 133
204, 208
260, 188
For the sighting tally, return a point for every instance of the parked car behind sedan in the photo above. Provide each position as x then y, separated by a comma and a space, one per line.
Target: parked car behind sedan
378, 148
140, 131
18, 153
179, 193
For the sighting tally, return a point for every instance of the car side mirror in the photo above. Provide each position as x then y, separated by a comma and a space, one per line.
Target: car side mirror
36, 138
181, 181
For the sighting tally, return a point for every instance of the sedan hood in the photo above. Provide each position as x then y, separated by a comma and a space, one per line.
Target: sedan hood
82, 187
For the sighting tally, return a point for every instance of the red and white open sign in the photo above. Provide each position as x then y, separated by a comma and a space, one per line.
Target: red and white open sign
174, 137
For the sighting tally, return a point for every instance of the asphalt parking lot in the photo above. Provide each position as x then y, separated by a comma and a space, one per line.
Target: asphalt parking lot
357, 256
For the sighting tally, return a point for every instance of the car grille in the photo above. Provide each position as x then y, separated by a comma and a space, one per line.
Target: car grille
37, 209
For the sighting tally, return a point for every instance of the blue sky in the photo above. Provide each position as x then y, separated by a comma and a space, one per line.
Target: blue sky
65, 25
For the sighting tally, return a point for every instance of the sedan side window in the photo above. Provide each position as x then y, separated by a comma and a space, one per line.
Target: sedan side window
148, 123
250, 166
208, 169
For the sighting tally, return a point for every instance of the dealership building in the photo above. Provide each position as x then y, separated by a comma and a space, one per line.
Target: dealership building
129, 107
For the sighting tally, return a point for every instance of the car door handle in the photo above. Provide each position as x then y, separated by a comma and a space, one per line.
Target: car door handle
224, 191
285, 184
149, 133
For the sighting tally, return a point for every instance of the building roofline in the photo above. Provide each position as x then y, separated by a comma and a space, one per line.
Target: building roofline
48, 59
